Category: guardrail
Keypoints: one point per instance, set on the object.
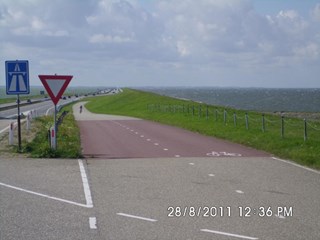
(12, 126)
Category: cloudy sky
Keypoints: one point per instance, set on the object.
(243, 43)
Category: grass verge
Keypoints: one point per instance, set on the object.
(193, 116)
(68, 141)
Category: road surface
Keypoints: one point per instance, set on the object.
(42, 108)
(215, 196)
(106, 136)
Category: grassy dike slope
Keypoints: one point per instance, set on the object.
(146, 105)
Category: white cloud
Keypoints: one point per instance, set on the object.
(311, 51)
(215, 35)
(100, 38)
(316, 12)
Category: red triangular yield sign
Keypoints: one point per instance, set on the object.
(55, 85)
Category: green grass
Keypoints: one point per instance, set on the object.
(171, 111)
(68, 141)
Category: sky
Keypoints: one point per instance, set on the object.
(224, 43)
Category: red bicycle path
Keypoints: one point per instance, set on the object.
(109, 137)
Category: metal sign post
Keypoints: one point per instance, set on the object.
(55, 128)
(19, 123)
(17, 82)
(55, 86)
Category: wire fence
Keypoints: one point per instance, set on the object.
(287, 127)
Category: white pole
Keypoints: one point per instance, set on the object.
(11, 128)
(53, 138)
(28, 122)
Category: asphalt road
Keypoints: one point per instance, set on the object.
(252, 196)
(42, 108)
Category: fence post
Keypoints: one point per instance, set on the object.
(207, 113)
(247, 121)
(282, 126)
(263, 124)
(235, 119)
(224, 116)
(216, 114)
(200, 111)
(305, 130)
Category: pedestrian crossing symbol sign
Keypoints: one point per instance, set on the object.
(17, 77)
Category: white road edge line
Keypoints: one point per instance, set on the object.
(47, 112)
(137, 217)
(85, 183)
(44, 195)
(297, 165)
(93, 222)
(5, 129)
(228, 234)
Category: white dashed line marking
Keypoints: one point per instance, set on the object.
(228, 234)
(93, 223)
(137, 217)
(165, 149)
(239, 191)
(148, 140)
(156, 144)
(192, 164)
(142, 136)
(211, 175)
(177, 156)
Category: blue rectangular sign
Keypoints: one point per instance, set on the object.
(17, 77)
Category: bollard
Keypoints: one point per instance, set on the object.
(11, 132)
(52, 138)
(28, 121)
